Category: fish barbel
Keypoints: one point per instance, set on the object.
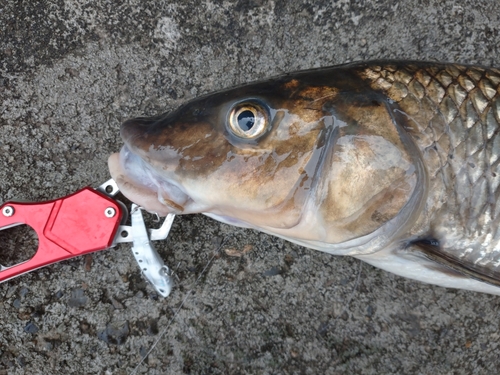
(394, 163)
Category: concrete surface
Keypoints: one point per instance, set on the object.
(72, 71)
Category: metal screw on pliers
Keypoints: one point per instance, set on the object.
(8, 211)
(110, 212)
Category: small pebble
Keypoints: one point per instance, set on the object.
(23, 292)
(78, 298)
(273, 271)
(31, 328)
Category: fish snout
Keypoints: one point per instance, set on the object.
(137, 129)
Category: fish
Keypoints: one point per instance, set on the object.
(395, 163)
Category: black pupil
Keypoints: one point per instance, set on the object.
(246, 120)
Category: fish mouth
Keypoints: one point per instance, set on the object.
(143, 185)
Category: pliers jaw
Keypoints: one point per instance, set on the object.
(87, 221)
(151, 264)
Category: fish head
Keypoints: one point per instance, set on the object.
(281, 155)
(237, 153)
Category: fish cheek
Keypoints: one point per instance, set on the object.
(263, 185)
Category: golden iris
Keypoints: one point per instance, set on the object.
(248, 120)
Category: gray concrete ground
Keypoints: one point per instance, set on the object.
(72, 71)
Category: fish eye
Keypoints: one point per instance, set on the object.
(248, 120)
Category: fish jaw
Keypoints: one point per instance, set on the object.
(142, 185)
(155, 194)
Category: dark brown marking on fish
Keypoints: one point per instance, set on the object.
(174, 205)
(380, 217)
(446, 270)
(291, 86)
(431, 249)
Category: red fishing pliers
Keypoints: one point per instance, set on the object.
(86, 221)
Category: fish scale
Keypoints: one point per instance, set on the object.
(463, 103)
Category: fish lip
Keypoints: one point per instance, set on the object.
(143, 185)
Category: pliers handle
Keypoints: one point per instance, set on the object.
(86, 221)
(80, 223)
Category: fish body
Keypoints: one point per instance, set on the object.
(394, 163)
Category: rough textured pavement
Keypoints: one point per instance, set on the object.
(72, 71)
